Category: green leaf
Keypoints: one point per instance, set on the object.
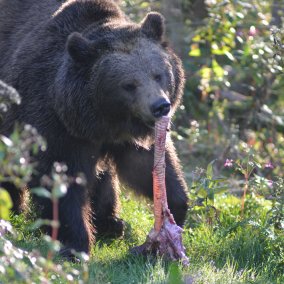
(215, 49)
(209, 171)
(196, 38)
(247, 50)
(240, 15)
(229, 41)
(230, 55)
(240, 40)
(211, 194)
(195, 50)
(206, 183)
(202, 193)
(59, 191)
(220, 179)
(39, 223)
(41, 192)
(5, 204)
(144, 5)
(217, 69)
(219, 190)
(8, 142)
(205, 72)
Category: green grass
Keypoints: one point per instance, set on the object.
(228, 251)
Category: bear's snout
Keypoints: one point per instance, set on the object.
(160, 108)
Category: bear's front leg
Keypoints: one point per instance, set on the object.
(135, 166)
(76, 231)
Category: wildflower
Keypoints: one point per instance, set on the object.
(194, 124)
(270, 183)
(252, 31)
(268, 166)
(228, 163)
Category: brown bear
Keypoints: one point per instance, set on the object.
(92, 83)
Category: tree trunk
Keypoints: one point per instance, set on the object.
(277, 11)
(172, 11)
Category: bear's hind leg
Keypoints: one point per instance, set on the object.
(105, 204)
(135, 166)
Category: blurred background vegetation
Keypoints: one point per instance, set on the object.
(232, 52)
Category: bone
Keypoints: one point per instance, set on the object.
(165, 239)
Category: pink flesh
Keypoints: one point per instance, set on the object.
(159, 185)
(165, 239)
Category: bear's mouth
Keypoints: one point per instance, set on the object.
(148, 120)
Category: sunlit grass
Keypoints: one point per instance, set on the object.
(229, 251)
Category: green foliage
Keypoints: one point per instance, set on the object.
(204, 189)
(276, 213)
(235, 84)
(278, 40)
(233, 252)
(22, 266)
(236, 39)
(5, 204)
(19, 265)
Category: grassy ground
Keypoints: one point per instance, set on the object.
(229, 250)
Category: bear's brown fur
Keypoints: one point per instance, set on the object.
(93, 84)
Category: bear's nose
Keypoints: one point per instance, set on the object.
(161, 108)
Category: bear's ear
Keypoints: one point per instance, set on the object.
(79, 48)
(153, 26)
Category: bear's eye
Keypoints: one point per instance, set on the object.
(130, 87)
(158, 77)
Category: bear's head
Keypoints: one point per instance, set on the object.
(119, 78)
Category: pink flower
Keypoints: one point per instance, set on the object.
(252, 31)
(268, 166)
(228, 163)
(270, 183)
